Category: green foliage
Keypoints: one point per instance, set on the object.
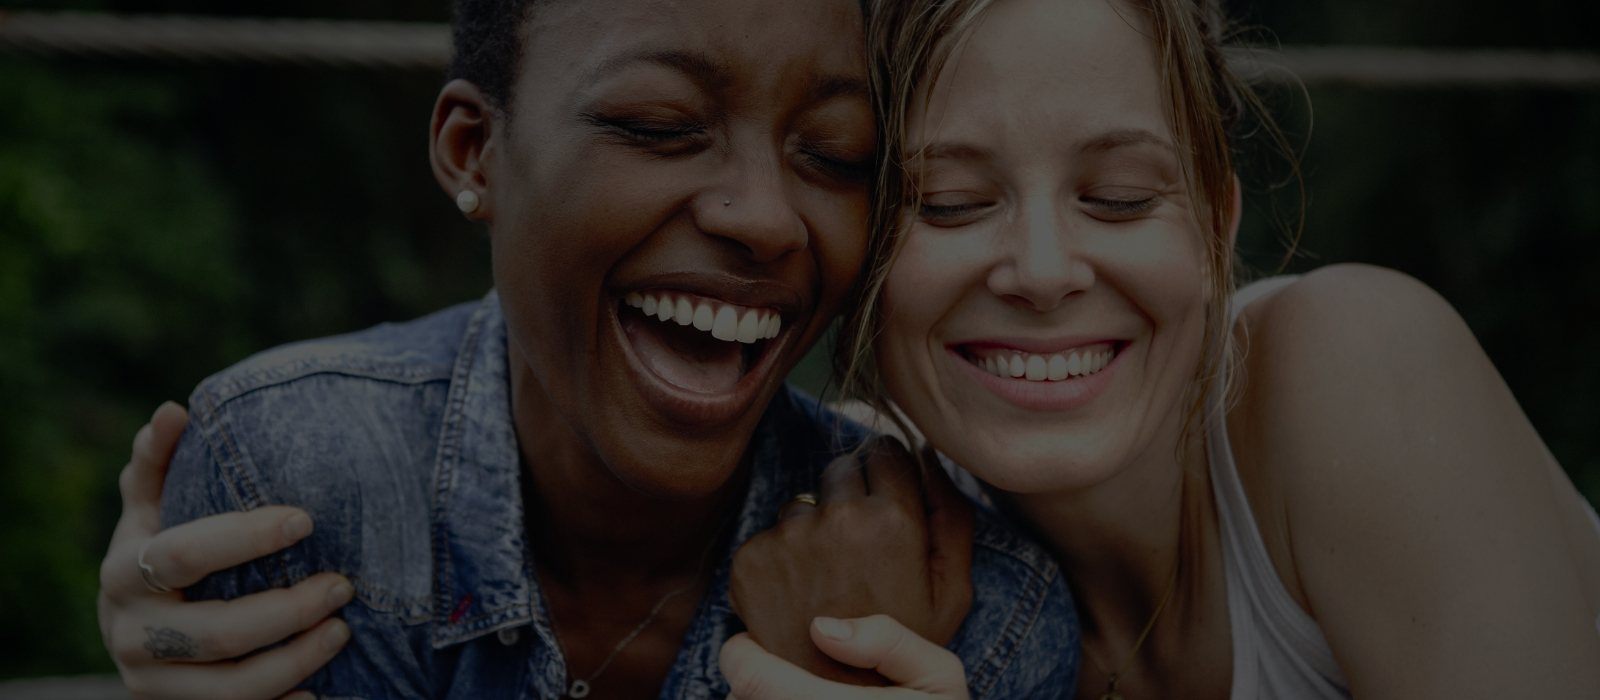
(107, 242)
(156, 227)
(160, 222)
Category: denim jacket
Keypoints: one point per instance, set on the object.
(398, 440)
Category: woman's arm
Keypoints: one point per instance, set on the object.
(165, 647)
(1426, 531)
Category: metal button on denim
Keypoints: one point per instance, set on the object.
(510, 635)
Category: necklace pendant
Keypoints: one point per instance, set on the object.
(1111, 689)
(580, 690)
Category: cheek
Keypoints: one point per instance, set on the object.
(1163, 268)
(931, 276)
(838, 237)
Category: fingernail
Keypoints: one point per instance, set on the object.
(340, 594)
(297, 527)
(337, 634)
(834, 628)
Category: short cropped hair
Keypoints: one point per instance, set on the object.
(486, 38)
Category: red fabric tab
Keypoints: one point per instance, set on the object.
(461, 609)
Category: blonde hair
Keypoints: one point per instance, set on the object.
(909, 43)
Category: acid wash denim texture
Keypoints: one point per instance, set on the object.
(398, 440)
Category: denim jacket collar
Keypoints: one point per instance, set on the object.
(483, 575)
(481, 578)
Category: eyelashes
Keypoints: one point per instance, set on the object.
(844, 170)
(649, 132)
(1120, 208)
(1108, 209)
(949, 214)
(668, 138)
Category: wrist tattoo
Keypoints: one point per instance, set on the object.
(166, 643)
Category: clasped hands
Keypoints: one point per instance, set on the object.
(861, 589)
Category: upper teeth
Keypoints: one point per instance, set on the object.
(1043, 368)
(722, 320)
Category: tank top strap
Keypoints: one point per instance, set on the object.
(1279, 651)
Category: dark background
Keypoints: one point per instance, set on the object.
(161, 220)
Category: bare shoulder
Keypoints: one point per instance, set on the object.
(1416, 498)
(1342, 316)
(1351, 359)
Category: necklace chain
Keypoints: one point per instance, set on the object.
(580, 688)
(1133, 654)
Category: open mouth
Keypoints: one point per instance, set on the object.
(698, 344)
(1062, 366)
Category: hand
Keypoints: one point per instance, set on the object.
(917, 667)
(165, 647)
(892, 536)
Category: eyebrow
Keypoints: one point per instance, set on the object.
(1122, 138)
(1101, 143)
(707, 72)
(951, 150)
(824, 87)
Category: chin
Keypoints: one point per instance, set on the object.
(670, 466)
(1047, 462)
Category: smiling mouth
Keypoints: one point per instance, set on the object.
(1061, 366)
(698, 344)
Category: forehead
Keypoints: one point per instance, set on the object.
(1050, 69)
(771, 42)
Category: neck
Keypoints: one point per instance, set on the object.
(1119, 540)
(589, 530)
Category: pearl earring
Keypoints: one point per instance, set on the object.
(467, 201)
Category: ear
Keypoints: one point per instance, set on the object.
(458, 140)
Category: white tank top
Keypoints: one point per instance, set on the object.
(1278, 650)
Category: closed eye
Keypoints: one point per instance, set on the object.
(649, 132)
(1119, 209)
(950, 214)
(840, 169)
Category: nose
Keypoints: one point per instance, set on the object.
(752, 208)
(1042, 262)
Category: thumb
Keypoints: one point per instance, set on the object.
(880, 642)
(753, 673)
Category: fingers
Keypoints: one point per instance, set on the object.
(266, 675)
(796, 508)
(950, 537)
(843, 479)
(753, 673)
(880, 642)
(214, 630)
(184, 554)
(141, 480)
(891, 472)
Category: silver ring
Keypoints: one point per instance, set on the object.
(148, 573)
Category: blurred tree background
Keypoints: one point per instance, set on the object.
(161, 220)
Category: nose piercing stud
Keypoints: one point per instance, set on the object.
(727, 202)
